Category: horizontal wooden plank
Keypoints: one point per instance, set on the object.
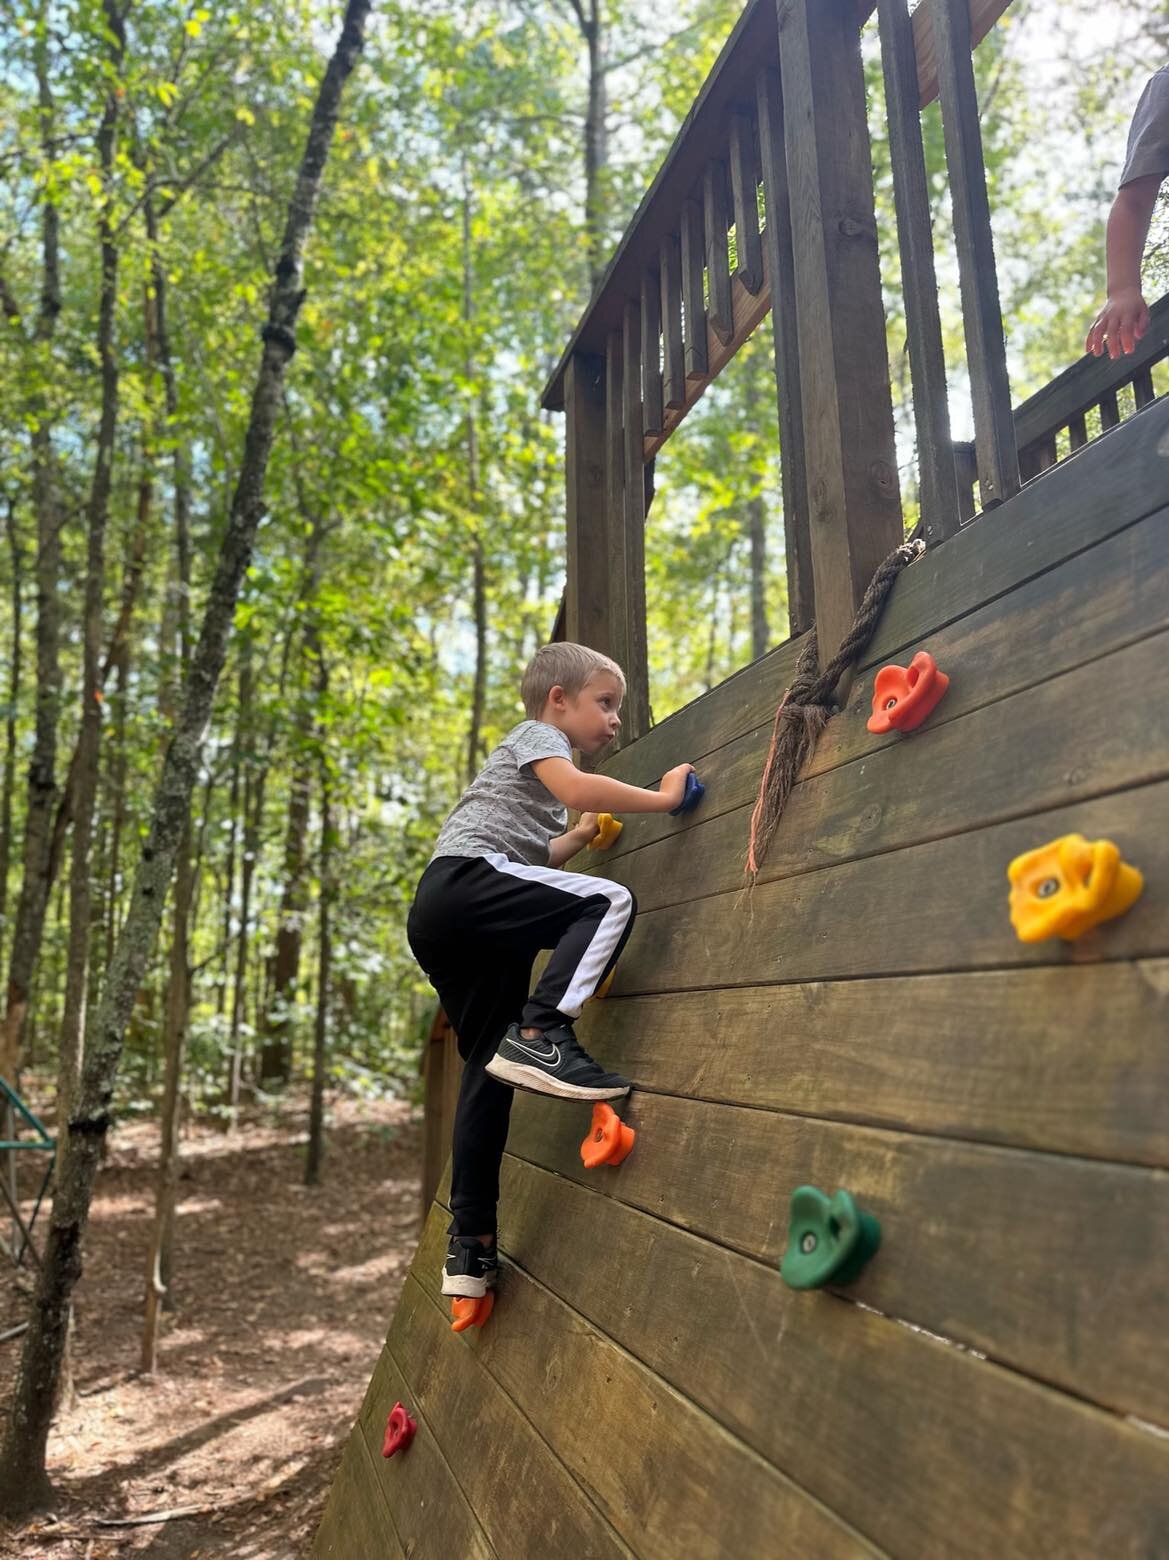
(923, 1447)
(525, 1501)
(669, 1478)
(1073, 508)
(1080, 735)
(429, 1511)
(929, 908)
(356, 1524)
(987, 1055)
(1085, 1244)
(1096, 602)
(1090, 496)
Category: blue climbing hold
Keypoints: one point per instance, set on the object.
(693, 794)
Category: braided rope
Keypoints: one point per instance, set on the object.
(807, 705)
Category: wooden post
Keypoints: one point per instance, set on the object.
(674, 368)
(748, 250)
(777, 243)
(635, 713)
(844, 371)
(931, 414)
(614, 560)
(990, 388)
(716, 220)
(587, 615)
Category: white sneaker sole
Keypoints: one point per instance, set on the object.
(537, 1082)
(463, 1286)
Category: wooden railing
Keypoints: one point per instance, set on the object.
(1081, 404)
(765, 202)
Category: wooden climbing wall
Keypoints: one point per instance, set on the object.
(996, 1382)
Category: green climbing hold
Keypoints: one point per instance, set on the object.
(829, 1239)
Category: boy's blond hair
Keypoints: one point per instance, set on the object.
(567, 665)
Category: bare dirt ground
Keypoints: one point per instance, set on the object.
(284, 1295)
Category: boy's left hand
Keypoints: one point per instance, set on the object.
(587, 827)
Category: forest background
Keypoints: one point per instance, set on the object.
(412, 554)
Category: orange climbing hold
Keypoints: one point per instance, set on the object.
(400, 1430)
(903, 696)
(1068, 886)
(608, 829)
(609, 1140)
(471, 1313)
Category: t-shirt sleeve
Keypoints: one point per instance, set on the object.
(1148, 136)
(534, 740)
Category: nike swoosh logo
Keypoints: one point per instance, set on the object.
(549, 1058)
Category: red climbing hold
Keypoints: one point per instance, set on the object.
(609, 1139)
(400, 1430)
(471, 1313)
(903, 696)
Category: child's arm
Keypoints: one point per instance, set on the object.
(1124, 319)
(565, 846)
(599, 793)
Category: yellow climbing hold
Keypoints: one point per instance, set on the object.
(608, 828)
(1068, 886)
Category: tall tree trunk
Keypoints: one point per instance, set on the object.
(253, 815)
(596, 136)
(229, 885)
(160, 1259)
(23, 1481)
(89, 740)
(316, 1130)
(478, 560)
(8, 789)
(284, 964)
(42, 785)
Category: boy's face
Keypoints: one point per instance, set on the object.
(590, 719)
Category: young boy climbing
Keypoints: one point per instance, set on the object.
(493, 896)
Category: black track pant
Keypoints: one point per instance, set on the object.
(475, 927)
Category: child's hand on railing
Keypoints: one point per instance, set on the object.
(1121, 323)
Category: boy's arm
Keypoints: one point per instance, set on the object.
(1124, 319)
(565, 846)
(599, 793)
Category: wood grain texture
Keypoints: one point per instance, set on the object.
(1052, 1265)
(694, 304)
(356, 1524)
(669, 1479)
(1064, 741)
(1010, 1056)
(926, 1449)
(930, 908)
(526, 1503)
(429, 1511)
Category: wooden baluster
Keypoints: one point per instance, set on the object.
(716, 220)
(966, 475)
(588, 506)
(635, 717)
(617, 595)
(748, 247)
(844, 370)
(931, 415)
(1077, 431)
(994, 428)
(777, 245)
(674, 373)
(1109, 411)
(651, 352)
(1142, 388)
(695, 306)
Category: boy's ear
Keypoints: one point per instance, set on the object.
(557, 695)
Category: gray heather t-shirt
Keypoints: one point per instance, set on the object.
(506, 808)
(1148, 135)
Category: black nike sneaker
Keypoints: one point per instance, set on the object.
(470, 1267)
(555, 1063)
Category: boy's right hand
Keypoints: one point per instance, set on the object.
(673, 786)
